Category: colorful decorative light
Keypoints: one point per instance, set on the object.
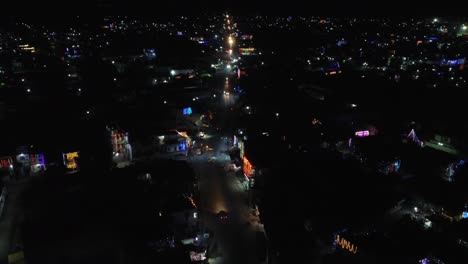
(364, 133)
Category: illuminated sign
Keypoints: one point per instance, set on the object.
(345, 244)
(364, 133)
(248, 168)
(70, 160)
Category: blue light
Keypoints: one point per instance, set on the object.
(465, 215)
(187, 111)
(452, 62)
(182, 146)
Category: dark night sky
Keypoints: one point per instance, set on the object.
(284, 7)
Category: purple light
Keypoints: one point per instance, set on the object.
(364, 133)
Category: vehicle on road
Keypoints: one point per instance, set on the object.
(197, 151)
(223, 216)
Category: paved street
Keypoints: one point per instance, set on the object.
(235, 240)
(9, 220)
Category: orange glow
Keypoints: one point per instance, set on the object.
(248, 168)
(70, 160)
(333, 73)
(345, 244)
(192, 202)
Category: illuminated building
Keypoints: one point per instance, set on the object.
(37, 162)
(26, 47)
(248, 169)
(6, 162)
(121, 148)
(247, 51)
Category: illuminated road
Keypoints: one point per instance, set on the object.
(234, 241)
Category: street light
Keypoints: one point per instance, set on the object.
(464, 27)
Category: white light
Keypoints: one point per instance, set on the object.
(113, 62)
(440, 144)
(22, 79)
(165, 102)
(28, 90)
(173, 72)
(353, 105)
(277, 114)
(11, 166)
(464, 27)
(79, 89)
(416, 209)
(115, 79)
(195, 215)
(436, 20)
(247, 107)
(88, 112)
(228, 66)
(193, 99)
